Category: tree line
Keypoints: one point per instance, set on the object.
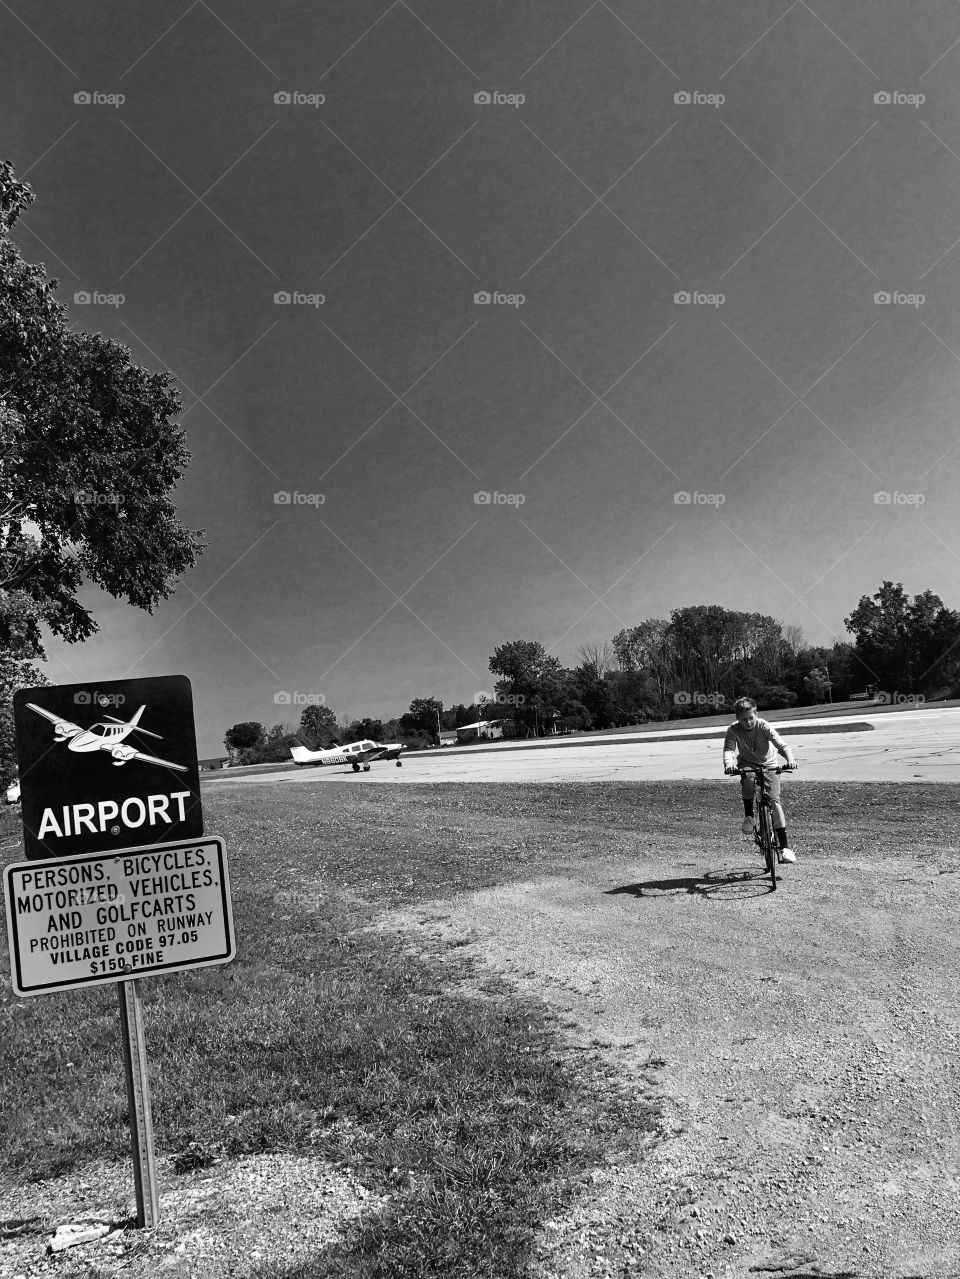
(696, 662)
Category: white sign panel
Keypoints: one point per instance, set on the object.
(106, 917)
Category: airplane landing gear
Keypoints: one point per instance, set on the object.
(356, 768)
(399, 764)
(366, 768)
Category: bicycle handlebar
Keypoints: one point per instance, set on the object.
(753, 768)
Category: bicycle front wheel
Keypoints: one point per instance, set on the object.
(767, 839)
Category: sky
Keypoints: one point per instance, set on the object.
(396, 475)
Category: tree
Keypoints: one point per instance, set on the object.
(793, 638)
(19, 647)
(391, 731)
(363, 729)
(276, 748)
(935, 643)
(423, 714)
(633, 698)
(640, 647)
(905, 644)
(703, 654)
(414, 737)
(89, 457)
(840, 668)
(318, 727)
(532, 680)
(575, 717)
(881, 628)
(243, 737)
(597, 658)
(817, 684)
(422, 721)
(594, 691)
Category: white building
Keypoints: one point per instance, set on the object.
(486, 729)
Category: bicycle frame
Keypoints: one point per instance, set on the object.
(763, 832)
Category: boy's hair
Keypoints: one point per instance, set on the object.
(744, 704)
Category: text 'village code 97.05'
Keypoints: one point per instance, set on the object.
(111, 916)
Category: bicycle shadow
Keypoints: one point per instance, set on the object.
(735, 883)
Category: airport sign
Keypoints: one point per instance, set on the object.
(91, 778)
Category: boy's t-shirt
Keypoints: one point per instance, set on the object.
(758, 745)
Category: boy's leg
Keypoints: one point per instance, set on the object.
(747, 788)
(773, 790)
(779, 820)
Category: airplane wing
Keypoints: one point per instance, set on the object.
(152, 759)
(136, 729)
(57, 720)
(123, 754)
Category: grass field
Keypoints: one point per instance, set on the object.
(468, 1110)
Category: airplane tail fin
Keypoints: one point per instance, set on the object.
(134, 723)
(302, 756)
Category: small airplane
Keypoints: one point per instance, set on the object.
(104, 737)
(357, 754)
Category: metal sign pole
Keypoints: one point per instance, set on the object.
(138, 1104)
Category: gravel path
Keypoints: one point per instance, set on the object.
(808, 1042)
(216, 1222)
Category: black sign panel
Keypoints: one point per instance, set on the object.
(106, 766)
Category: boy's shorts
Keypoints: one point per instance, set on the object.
(748, 786)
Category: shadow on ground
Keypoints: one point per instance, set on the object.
(752, 882)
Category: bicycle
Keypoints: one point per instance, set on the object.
(763, 833)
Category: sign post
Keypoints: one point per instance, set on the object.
(138, 1104)
(103, 917)
(120, 881)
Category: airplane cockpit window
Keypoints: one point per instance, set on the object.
(99, 729)
(368, 746)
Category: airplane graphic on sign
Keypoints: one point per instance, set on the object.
(104, 737)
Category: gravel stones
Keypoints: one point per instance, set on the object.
(217, 1222)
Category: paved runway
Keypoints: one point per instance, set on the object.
(910, 746)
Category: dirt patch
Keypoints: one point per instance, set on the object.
(808, 1042)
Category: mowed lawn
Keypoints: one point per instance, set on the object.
(325, 1038)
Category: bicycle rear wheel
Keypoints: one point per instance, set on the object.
(768, 843)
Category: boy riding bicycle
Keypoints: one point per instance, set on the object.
(752, 741)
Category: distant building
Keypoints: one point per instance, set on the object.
(483, 729)
(219, 761)
(448, 737)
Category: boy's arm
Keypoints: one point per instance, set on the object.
(781, 745)
(729, 750)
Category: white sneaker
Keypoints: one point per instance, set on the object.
(747, 826)
(786, 855)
